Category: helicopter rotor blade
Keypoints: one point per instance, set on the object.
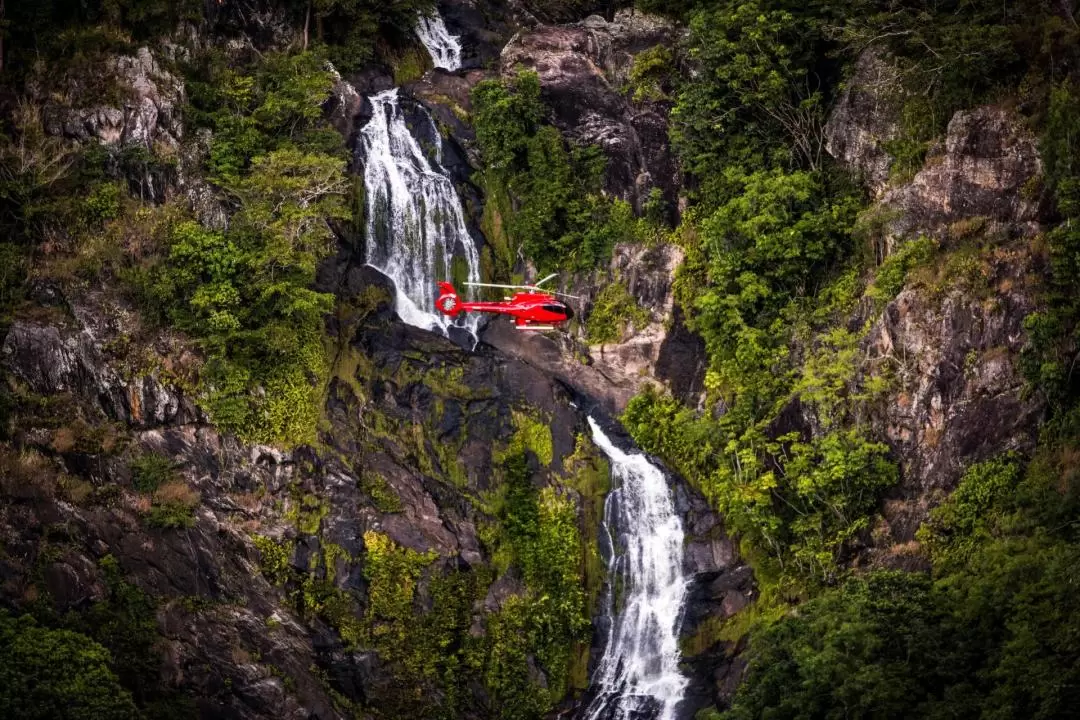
(560, 294)
(538, 283)
(494, 285)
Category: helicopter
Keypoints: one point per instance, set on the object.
(531, 307)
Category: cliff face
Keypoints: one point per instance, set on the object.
(953, 335)
(242, 576)
(414, 431)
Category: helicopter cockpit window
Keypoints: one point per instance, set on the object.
(560, 309)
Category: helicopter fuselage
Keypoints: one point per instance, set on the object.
(530, 310)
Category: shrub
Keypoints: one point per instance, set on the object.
(558, 217)
(614, 308)
(149, 471)
(173, 506)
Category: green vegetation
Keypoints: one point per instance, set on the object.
(893, 271)
(650, 73)
(245, 293)
(352, 30)
(149, 471)
(1050, 358)
(273, 559)
(992, 635)
(780, 266)
(173, 506)
(539, 528)
(531, 434)
(614, 308)
(553, 208)
(382, 495)
(102, 661)
(46, 674)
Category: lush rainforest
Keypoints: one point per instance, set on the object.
(785, 272)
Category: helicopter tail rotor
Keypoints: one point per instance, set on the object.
(448, 303)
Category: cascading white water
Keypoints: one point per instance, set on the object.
(638, 676)
(415, 222)
(444, 48)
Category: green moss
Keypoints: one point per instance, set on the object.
(382, 495)
(530, 434)
(650, 70)
(331, 554)
(306, 511)
(587, 471)
(409, 65)
(449, 382)
(891, 275)
(170, 515)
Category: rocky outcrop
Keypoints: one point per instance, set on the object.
(961, 398)
(952, 337)
(987, 167)
(483, 27)
(865, 118)
(147, 111)
(582, 68)
(614, 372)
(406, 407)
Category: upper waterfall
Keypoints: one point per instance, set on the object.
(444, 48)
(638, 677)
(415, 221)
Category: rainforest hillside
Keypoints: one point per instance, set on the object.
(825, 274)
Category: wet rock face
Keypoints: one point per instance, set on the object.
(235, 637)
(866, 117)
(581, 68)
(484, 27)
(721, 584)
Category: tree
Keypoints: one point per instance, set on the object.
(57, 675)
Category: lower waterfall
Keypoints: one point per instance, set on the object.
(638, 676)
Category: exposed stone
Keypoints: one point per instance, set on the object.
(149, 115)
(581, 68)
(865, 117)
(613, 373)
(961, 397)
(483, 27)
(988, 168)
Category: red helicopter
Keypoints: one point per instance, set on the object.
(531, 307)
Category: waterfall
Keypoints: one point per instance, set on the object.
(415, 222)
(638, 676)
(444, 48)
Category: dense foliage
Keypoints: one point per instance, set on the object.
(353, 30)
(47, 674)
(99, 662)
(996, 633)
(547, 193)
(778, 261)
(246, 292)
